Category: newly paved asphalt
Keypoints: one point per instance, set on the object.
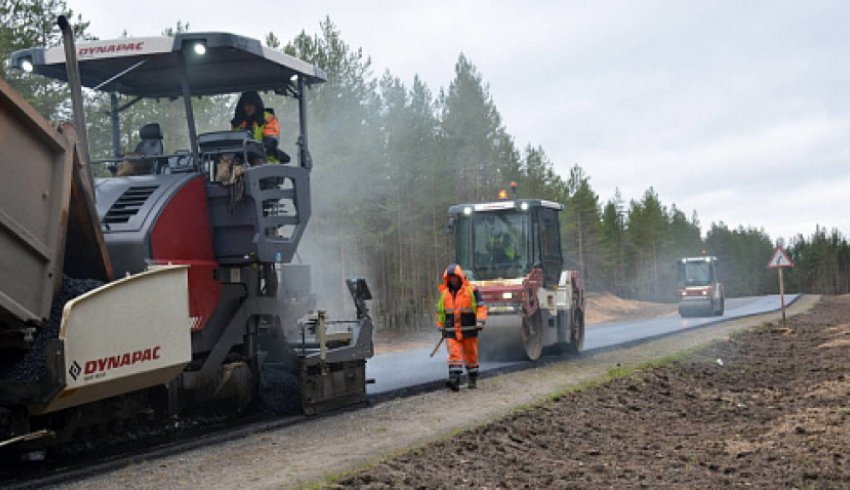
(410, 369)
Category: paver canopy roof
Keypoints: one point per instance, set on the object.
(216, 63)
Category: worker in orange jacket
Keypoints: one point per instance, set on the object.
(460, 316)
(264, 126)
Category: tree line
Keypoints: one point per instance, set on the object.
(390, 158)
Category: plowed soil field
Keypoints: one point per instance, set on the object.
(768, 408)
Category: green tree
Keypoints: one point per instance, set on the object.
(647, 220)
(537, 177)
(743, 255)
(612, 242)
(349, 185)
(582, 227)
(480, 150)
(821, 263)
(412, 164)
(32, 23)
(272, 41)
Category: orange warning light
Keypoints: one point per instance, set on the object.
(503, 194)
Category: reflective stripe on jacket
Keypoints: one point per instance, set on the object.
(459, 310)
(258, 132)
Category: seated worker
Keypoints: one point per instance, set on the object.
(252, 115)
(504, 251)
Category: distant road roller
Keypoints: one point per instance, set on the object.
(700, 291)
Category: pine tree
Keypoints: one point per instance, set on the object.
(612, 273)
(349, 184)
(647, 220)
(582, 230)
(32, 23)
(477, 145)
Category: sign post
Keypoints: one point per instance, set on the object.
(780, 260)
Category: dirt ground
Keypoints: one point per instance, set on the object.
(600, 307)
(605, 307)
(768, 408)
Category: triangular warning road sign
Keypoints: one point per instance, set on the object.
(780, 258)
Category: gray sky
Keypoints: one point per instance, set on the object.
(738, 110)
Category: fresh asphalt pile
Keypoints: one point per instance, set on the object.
(767, 409)
(280, 389)
(31, 366)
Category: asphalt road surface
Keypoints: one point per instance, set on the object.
(410, 369)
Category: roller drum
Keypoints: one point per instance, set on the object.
(510, 338)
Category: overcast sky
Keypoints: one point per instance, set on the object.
(738, 110)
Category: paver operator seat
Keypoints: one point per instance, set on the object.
(151, 141)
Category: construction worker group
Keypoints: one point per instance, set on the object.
(461, 315)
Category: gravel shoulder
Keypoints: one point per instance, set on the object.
(322, 449)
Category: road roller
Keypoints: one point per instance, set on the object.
(700, 291)
(511, 251)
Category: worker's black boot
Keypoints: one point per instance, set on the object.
(454, 380)
(473, 379)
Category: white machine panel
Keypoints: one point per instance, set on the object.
(126, 335)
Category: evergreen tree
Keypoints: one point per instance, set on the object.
(612, 242)
(477, 145)
(582, 230)
(32, 23)
(821, 263)
(349, 184)
(743, 255)
(647, 220)
(538, 178)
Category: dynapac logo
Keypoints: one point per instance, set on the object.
(111, 48)
(96, 368)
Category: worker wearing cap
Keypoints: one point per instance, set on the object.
(252, 115)
(460, 316)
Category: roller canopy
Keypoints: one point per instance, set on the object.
(149, 67)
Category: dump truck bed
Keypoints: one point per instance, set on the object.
(36, 162)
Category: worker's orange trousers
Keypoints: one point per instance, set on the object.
(463, 352)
